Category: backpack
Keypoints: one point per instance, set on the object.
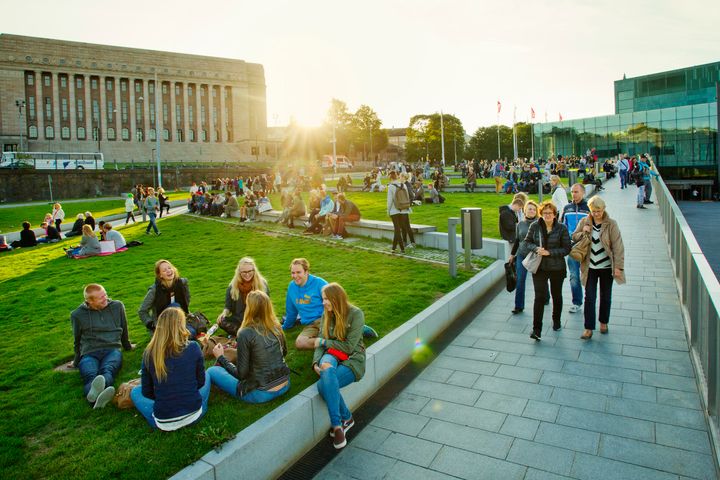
(637, 174)
(402, 199)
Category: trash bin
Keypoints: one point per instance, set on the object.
(475, 227)
(572, 177)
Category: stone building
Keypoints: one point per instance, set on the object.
(58, 96)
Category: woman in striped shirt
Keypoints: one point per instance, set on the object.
(604, 262)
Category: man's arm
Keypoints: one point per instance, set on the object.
(290, 311)
(124, 338)
(77, 334)
(147, 305)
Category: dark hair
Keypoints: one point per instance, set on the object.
(26, 225)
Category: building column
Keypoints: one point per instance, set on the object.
(118, 110)
(146, 109)
(173, 118)
(222, 119)
(56, 105)
(211, 106)
(88, 109)
(102, 114)
(186, 112)
(131, 109)
(72, 110)
(198, 111)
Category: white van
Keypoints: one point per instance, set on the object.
(343, 163)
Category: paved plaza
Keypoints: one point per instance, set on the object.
(497, 405)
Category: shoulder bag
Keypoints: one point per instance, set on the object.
(532, 260)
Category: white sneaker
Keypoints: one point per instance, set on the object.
(104, 398)
(97, 386)
(575, 308)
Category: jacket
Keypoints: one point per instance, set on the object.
(129, 205)
(521, 230)
(95, 330)
(326, 205)
(612, 242)
(260, 361)
(89, 245)
(573, 212)
(149, 303)
(349, 208)
(391, 207)
(557, 242)
(508, 220)
(352, 345)
(237, 307)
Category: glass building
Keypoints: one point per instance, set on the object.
(671, 115)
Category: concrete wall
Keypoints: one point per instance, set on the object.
(273, 443)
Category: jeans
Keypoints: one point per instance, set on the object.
(397, 228)
(407, 233)
(641, 195)
(105, 362)
(228, 384)
(623, 178)
(152, 223)
(331, 381)
(575, 283)
(605, 278)
(540, 282)
(128, 217)
(146, 405)
(521, 280)
(648, 189)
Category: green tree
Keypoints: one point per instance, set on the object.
(424, 138)
(367, 135)
(339, 116)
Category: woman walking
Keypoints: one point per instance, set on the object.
(550, 239)
(604, 262)
(175, 388)
(559, 195)
(151, 206)
(518, 255)
(339, 357)
(398, 212)
(129, 207)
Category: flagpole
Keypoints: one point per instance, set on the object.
(514, 131)
(442, 138)
(532, 141)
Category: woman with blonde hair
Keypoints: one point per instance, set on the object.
(260, 374)
(58, 215)
(339, 357)
(559, 195)
(89, 244)
(517, 254)
(168, 290)
(175, 387)
(246, 279)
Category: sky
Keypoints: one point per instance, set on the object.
(402, 58)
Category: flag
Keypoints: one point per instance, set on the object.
(532, 113)
(560, 115)
(499, 107)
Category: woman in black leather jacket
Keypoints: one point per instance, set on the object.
(261, 374)
(551, 240)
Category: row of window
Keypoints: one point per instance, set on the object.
(124, 134)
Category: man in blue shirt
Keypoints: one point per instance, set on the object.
(571, 216)
(623, 168)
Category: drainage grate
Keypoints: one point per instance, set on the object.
(323, 452)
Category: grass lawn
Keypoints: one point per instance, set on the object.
(11, 218)
(372, 206)
(48, 429)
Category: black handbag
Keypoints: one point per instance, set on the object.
(510, 276)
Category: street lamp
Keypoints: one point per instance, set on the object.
(157, 132)
(20, 104)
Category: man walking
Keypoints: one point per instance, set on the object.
(623, 168)
(571, 216)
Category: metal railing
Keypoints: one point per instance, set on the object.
(700, 298)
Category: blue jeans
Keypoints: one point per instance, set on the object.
(521, 277)
(331, 381)
(575, 282)
(648, 189)
(641, 195)
(604, 277)
(623, 174)
(100, 362)
(146, 405)
(152, 223)
(227, 383)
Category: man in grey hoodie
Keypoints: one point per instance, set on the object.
(100, 329)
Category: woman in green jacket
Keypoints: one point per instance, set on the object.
(339, 357)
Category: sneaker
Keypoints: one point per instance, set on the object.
(104, 397)
(575, 308)
(535, 336)
(517, 310)
(648, 202)
(411, 246)
(97, 386)
(339, 438)
(641, 206)
(369, 332)
(346, 425)
(159, 233)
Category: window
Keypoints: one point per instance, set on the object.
(166, 134)
(49, 132)
(96, 110)
(178, 113)
(80, 110)
(123, 86)
(109, 110)
(216, 135)
(190, 113)
(30, 79)
(78, 83)
(151, 135)
(48, 108)
(202, 115)
(125, 134)
(191, 135)
(93, 83)
(164, 88)
(63, 82)
(46, 80)
(179, 135)
(202, 92)
(139, 134)
(31, 107)
(138, 112)
(65, 133)
(254, 151)
(124, 111)
(111, 133)
(81, 133)
(214, 116)
(138, 87)
(165, 113)
(203, 135)
(152, 113)
(151, 88)
(177, 90)
(32, 131)
(108, 85)
(64, 108)
(190, 90)
(214, 92)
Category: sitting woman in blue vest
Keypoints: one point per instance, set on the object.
(261, 374)
(175, 387)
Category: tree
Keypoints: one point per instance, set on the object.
(483, 145)
(424, 138)
(366, 132)
(339, 116)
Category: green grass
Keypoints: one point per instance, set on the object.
(48, 429)
(372, 206)
(11, 218)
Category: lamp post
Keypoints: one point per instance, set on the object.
(157, 133)
(20, 104)
(96, 131)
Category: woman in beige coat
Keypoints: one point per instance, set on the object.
(605, 261)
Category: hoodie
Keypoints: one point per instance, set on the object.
(305, 301)
(99, 329)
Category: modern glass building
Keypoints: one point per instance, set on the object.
(671, 115)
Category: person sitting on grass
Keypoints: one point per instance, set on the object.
(4, 247)
(27, 237)
(76, 229)
(246, 279)
(51, 234)
(99, 327)
(89, 244)
(433, 194)
(168, 290)
(114, 236)
(175, 387)
(261, 373)
(347, 212)
(90, 220)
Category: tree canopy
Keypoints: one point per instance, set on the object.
(483, 145)
(424, 138)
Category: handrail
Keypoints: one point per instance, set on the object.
(700, 298)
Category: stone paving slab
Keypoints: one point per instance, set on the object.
(495, 404)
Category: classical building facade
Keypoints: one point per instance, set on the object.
(58, 96)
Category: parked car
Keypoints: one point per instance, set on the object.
(343, 163)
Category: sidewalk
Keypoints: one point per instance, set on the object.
(497, 405)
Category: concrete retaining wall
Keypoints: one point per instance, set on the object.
(273, 443)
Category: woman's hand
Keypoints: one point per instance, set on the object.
(587, 229)
(317, 342)
(511, 258)
(617, 273)
(218, 350)
(220, 318)
(316, 368)
(543, 252)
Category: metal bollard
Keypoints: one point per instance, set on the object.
(466, 237)
(452, 245)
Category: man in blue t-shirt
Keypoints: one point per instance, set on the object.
(571, 216)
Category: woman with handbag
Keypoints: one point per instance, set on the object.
(339, 357)
(517, 255)
(246, 279)
(260, 373)
(604, 261)
(174, 388)
(548, 243)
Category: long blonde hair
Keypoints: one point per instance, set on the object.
(258, 281)
(260, 314)
(169, 340)
(338, 298)
(176, 274)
